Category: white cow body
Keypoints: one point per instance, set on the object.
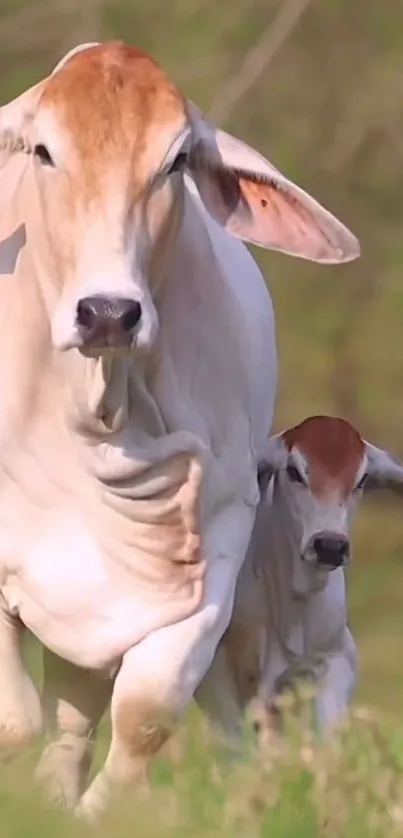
(79, 599)
(138, 375)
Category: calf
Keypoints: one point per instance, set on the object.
(290, 613)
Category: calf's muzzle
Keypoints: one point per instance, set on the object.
(328, 550)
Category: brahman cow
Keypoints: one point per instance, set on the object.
(138, 378)
(290, 612)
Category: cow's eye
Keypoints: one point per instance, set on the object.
(294, 475)
(361, 483)
(41, 152)
(179, 163)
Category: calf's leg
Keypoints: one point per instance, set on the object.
(233, 679)
(74, 701)
(337, 686)
(218, 700)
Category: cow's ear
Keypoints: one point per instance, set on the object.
(16, 116)
(12, 230)
(255, 202)
(15, 122)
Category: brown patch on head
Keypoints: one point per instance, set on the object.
(118, 106)
(333, 450)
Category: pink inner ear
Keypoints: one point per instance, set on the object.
(280, 221)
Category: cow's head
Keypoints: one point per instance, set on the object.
(110, 138)
(321, 468)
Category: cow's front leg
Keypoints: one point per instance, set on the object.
(20, 708)
(159, 676)
(74, 701)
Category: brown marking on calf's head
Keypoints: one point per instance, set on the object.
(333, 450)
(117, 103)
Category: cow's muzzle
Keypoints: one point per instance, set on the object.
(107, 322)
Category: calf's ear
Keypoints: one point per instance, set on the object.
(384, 470)
(272, 456)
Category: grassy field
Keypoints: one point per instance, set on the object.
(325, 107)
(353, 787)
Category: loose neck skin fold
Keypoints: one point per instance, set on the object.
(102, 406)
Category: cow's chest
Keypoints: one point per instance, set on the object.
(65, 591)
(86, 603)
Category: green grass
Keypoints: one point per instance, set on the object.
(350, 787)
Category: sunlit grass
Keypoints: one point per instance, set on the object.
(352, 786)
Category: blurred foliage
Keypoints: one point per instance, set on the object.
(351, 788)
(326, 108)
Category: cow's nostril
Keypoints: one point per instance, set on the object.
(86, 314)
(108, 321)
(131, 317)
(102, 312)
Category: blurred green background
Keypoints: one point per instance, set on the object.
(317, 87)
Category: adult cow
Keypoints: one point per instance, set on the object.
(138, 377)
